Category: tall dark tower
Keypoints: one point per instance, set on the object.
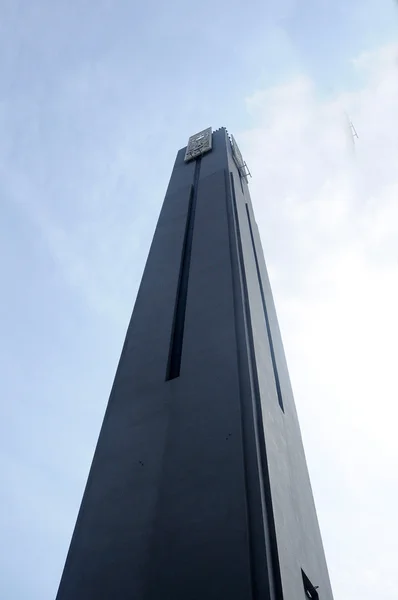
(199, 488)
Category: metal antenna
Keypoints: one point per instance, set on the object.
(353, 130)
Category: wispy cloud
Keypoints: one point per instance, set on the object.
(329, 224)
(93, 105)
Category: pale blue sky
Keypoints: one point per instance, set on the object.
(95, 100)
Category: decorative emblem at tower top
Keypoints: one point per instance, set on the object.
(198, 144)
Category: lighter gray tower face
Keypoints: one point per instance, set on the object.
(199, 488)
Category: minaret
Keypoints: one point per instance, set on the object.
(199, 488)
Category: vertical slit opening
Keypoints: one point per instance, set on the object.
(241, 183)
(272, 585)
(267, 323)
(177, 334)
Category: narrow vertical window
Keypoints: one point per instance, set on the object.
(177, 334)
(260, 460)
(267, 323)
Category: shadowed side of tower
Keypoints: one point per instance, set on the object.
(199, 486)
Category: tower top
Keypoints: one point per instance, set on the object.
(202, 142)
(199, 144)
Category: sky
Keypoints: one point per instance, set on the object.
(95, 100)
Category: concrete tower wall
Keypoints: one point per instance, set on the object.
(199, 486)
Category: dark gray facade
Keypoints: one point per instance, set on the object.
(199, 488)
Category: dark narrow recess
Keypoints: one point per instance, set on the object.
(271, 344)
(177, 334)
(274, 591)
(241, 183)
